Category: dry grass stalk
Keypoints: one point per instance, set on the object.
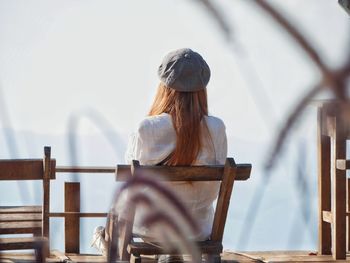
(335, 80)
(174, 229)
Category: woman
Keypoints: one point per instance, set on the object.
(178, 131)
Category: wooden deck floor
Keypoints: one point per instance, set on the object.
(228, 256)
(280, 256)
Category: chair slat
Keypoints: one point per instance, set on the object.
(183, 173)
(21, 243)
(142, 248)
(24, 169)
(20, 227)
(85, 169)
(20, 209)
(20, 217)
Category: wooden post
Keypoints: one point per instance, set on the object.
(125, 226)
(46, 198)
(113, 242)
(348, 215)
(40, 247)
(224, 200)
(122, 229)
(339, 190)
(72, 222)
(324, 185)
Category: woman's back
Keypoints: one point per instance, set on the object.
(155, 140)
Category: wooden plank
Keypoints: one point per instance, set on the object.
(210, 247)
(279, 256)
(72, 222)
(20, 217)
(327, 217)
(282, 253)
(235, 257)
(125, 226)
(288, 256)
(19, 227)
(46, 196)
(330, 126)
(79, 214)
(324, 185)
(85, 169)
(227, 256)
(347, 214)
(86, 258)
(21, 243)
(24, 169)
(339, 190)
(23, 257)
(343, 164)
(183, 173)
(111, 236)
(223, 200)
(25, 243)
(20, 209)
(60, 255)
(322, 103)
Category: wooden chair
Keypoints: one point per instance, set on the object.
(27, 219)
(333, 184)
(227, 174)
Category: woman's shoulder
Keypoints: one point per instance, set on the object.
(161, 121)
(215, 122)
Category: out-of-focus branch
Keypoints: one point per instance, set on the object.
(291, 120)
(247, 69)
(332, 79)
(299, 38)
(179, 225)
(101, 123)
(218, 17)
(11, 142)
(344, 72)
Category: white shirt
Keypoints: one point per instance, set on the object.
(155, 139)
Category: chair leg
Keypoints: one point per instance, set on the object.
(135, 259)
(125, 237)
(40, 254)
(111, 234)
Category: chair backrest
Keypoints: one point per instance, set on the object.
(227, 174)
(33, 169)
(186, 173)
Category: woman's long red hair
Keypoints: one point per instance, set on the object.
(187, 109)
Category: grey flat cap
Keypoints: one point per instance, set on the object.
(184, 70)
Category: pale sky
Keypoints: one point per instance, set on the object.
(60, 57)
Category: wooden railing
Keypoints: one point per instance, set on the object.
(72, 213)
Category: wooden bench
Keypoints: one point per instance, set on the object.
(27, 219)
(226, 174)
